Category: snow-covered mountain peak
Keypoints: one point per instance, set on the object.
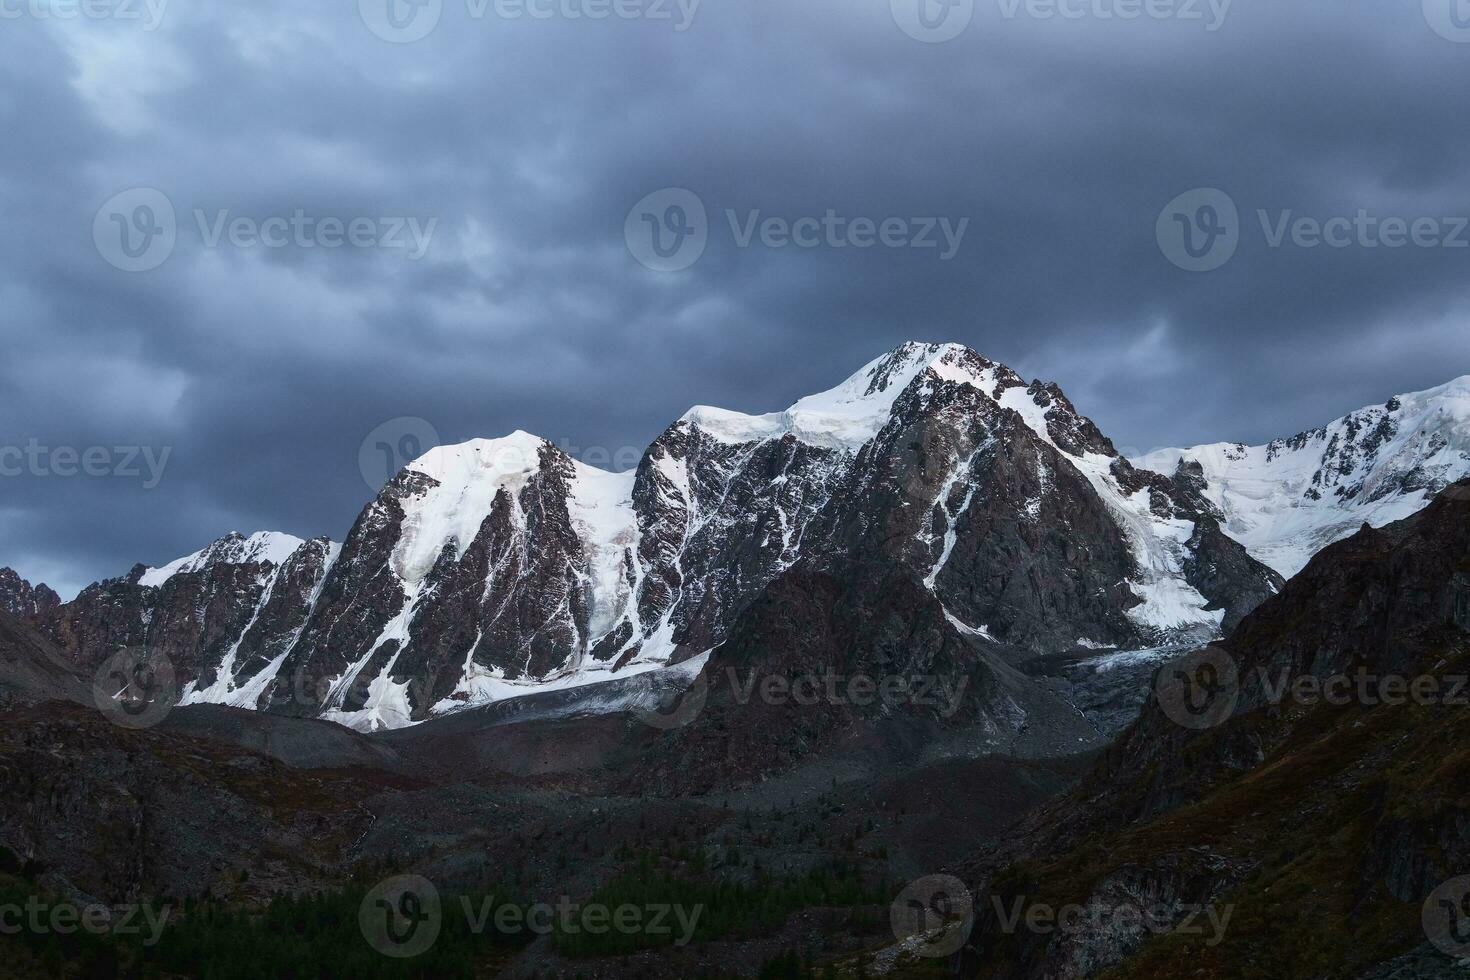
(483, 459)
(464, 481)
(262, 547)
(848, 416)
(1290, 498)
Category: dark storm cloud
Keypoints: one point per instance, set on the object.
(528, 141)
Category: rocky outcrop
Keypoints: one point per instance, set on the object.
(22, 600)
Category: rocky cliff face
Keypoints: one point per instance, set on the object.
(500, 567)
(22, 600)
(224, 616)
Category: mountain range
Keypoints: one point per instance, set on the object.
(500, 568)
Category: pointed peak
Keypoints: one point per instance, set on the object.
(915, 355)
(950, 361)
(848, 416)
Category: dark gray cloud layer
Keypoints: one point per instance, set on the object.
(528, 140)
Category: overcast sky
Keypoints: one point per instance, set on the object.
(520, 145)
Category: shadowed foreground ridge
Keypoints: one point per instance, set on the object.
(1322, 827)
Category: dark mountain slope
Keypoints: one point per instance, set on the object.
(1320, 827)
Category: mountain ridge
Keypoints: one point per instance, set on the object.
(1289, 498)
(21, 599)
(500, 567)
